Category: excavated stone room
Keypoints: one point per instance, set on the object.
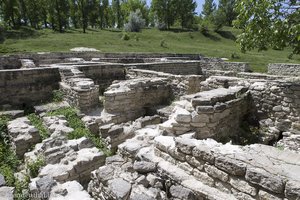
(149, 126)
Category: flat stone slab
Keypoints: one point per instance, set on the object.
(211, 97)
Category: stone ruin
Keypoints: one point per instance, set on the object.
(179, 126)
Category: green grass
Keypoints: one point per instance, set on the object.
(79, 128)
(149, 40)
(38, 123)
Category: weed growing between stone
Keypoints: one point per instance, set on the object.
(80, 130)
(9, 163)
(38, 123)
(58, 96)
(34, 166)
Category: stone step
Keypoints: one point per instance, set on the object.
(166, 168)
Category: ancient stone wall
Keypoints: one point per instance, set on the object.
(181, 84)
(178, 68)
(79, 91)
(128, 100)
(216, 113)
(103, 74)
(279, 101)
(225, 66)
(284, 69)
(250, 172)
(19, 87)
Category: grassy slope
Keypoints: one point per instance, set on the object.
(148, 41)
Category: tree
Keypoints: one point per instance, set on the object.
(10, 12)
(226, 9)
(269, 24)
(116, 6)
(129, 6)
(208, 8)
(165, 10)
(59, 14)
(185, 11)
(135, 22)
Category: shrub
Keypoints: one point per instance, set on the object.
(135, 22)
(161, 26)
(125, 36)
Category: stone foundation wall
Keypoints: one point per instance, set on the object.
(12, 61)
(250, 172)
(279, 101)
(181, 85)
(128, 100)
(284, 69)
(79, 91)
(217, 113)
(178, 68)
(225, 66)
(28, 86)
(103, 74)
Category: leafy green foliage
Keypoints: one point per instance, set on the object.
(79, 128)
(58, 96)
(8, 159)
(38, 123)
(34, 166)
(268, 24)
(209, 8)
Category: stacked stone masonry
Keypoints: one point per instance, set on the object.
(129, 100)
(163, 117)
(284, 69)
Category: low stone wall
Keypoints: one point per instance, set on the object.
(12, 61)
(279, 101)
(250, 172)
(225, 66)
(177, 68)
(181, 84)
(27, 86)
(103, 74)
(284, 69)
(128, 100)
(79, 91)
(216, 113)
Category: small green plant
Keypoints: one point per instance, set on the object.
(163, 44)
(58, 96)
(234, 55)
(37, 122)
(280, 147)
(35, 166)
(79, 128)
(22, 189)
(125, 36)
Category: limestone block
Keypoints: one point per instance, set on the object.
(266, 180)
(292, 190)
(144, 167)
(119, 188)
(231, 166)
(182, 193)
(216, 173)
(263, 195)
(203, 177)
(243, 186)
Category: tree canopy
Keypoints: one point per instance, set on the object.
(269, 24)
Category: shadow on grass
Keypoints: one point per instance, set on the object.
(210, 36)
(22, 33)
(226, 34)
